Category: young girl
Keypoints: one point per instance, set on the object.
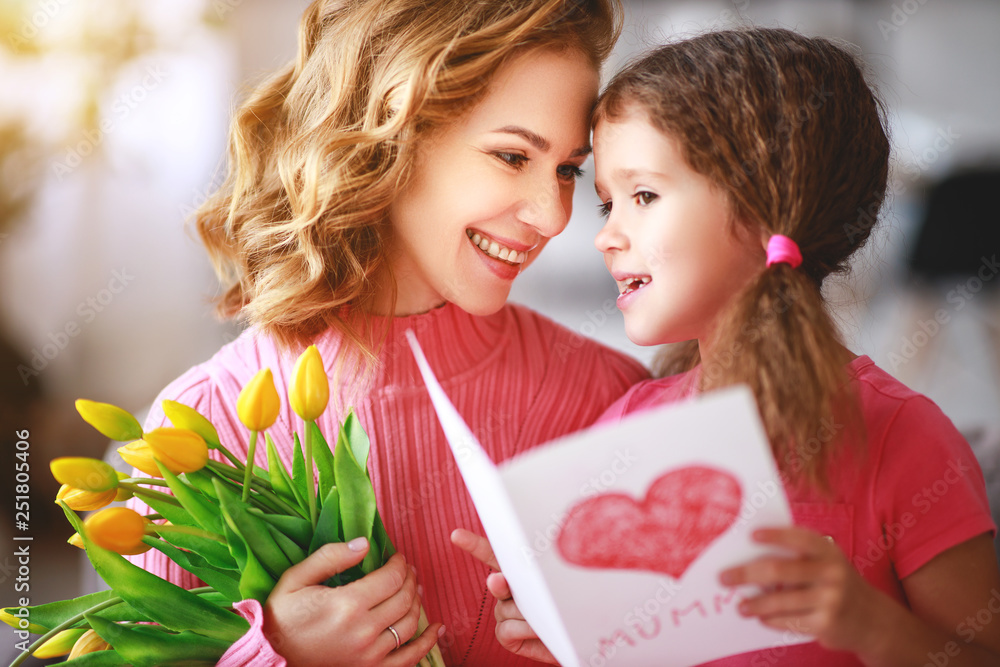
(736, 171)
(400, 174)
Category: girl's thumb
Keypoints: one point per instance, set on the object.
(328, 560)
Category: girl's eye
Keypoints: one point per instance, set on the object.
(645, 198)
(604, 209)
(570, 172)
(513, 159)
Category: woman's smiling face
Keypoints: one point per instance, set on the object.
(490, 190)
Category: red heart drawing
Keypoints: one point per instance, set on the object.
(684, 511)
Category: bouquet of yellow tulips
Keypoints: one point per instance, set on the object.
(233, 525)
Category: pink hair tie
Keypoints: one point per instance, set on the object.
(783, 249)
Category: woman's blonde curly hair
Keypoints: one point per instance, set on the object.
(298, 230)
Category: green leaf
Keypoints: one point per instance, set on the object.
(295, 527)
(299, 473)
(324, 460)
(328, 524)
(253, 531)
(255, 582)
(216, 553)
(162, 601)
(380, 539)
(109, 658)
(357, 499)
(224, 581)
(51, 614)
(175, 514)
(204, 511)
(357, 438)
(150, 646)
(288, 547)
(201, 480)
(281, 481)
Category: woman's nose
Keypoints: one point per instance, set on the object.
(547, 208)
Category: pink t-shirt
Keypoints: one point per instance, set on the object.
(915, 492)
(517, 378)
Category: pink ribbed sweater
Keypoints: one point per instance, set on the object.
(516, 377)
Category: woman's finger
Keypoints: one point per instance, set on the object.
(513, 631)
(380, 585)
(507, 609)
(479, 547)
(410, 654)
(398, 605)
(498, 586)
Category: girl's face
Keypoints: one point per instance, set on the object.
(669, 240)
(491, 189)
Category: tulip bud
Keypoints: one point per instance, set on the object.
(140, 455)
(179, 449)
(123, 493)
(110, 420)
(89, 642)
(17, 621)
(117, 529)
(309, 390)
(76, 541)
(83, 473)
(183, 416)
(258, 403)
(60, 644)
(85, 501)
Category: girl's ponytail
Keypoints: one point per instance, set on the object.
(787, 129)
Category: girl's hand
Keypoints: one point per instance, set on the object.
(816, 591)
(513, 632)
(309, 623)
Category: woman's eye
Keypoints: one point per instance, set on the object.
(645, 198)
(604, 209)
(570, 172)
(513, 159)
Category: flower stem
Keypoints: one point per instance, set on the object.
(65, 625)
(149, 493)
(158, 528)
(248, 472)
(310, 476)
(265, 499)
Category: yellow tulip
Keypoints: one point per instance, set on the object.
(183, 416)
(89, 642)
(60, 644)
(117, 529)
(123, 493)
(258, 404)
(139, 455)
(76, 541)
(309, 390)
(179, 449)
(110, 420)
(83, 473)
(19, 623)
(85, 501)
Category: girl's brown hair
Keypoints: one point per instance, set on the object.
(317, 153)
(786, 127)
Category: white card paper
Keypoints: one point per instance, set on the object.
(612, 539)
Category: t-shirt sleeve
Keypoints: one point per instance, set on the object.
(932, 486)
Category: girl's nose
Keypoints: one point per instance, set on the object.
(611, 236)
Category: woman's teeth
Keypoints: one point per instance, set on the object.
(495, 250)
(634, 284)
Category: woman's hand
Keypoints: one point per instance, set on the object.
(309, 623)
(815, 590)
(513, 632)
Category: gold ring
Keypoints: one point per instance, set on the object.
(395, 635)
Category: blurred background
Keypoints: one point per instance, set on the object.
(113, 119)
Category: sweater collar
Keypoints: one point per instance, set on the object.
(455, 343)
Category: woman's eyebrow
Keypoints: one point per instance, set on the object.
(538, 141)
